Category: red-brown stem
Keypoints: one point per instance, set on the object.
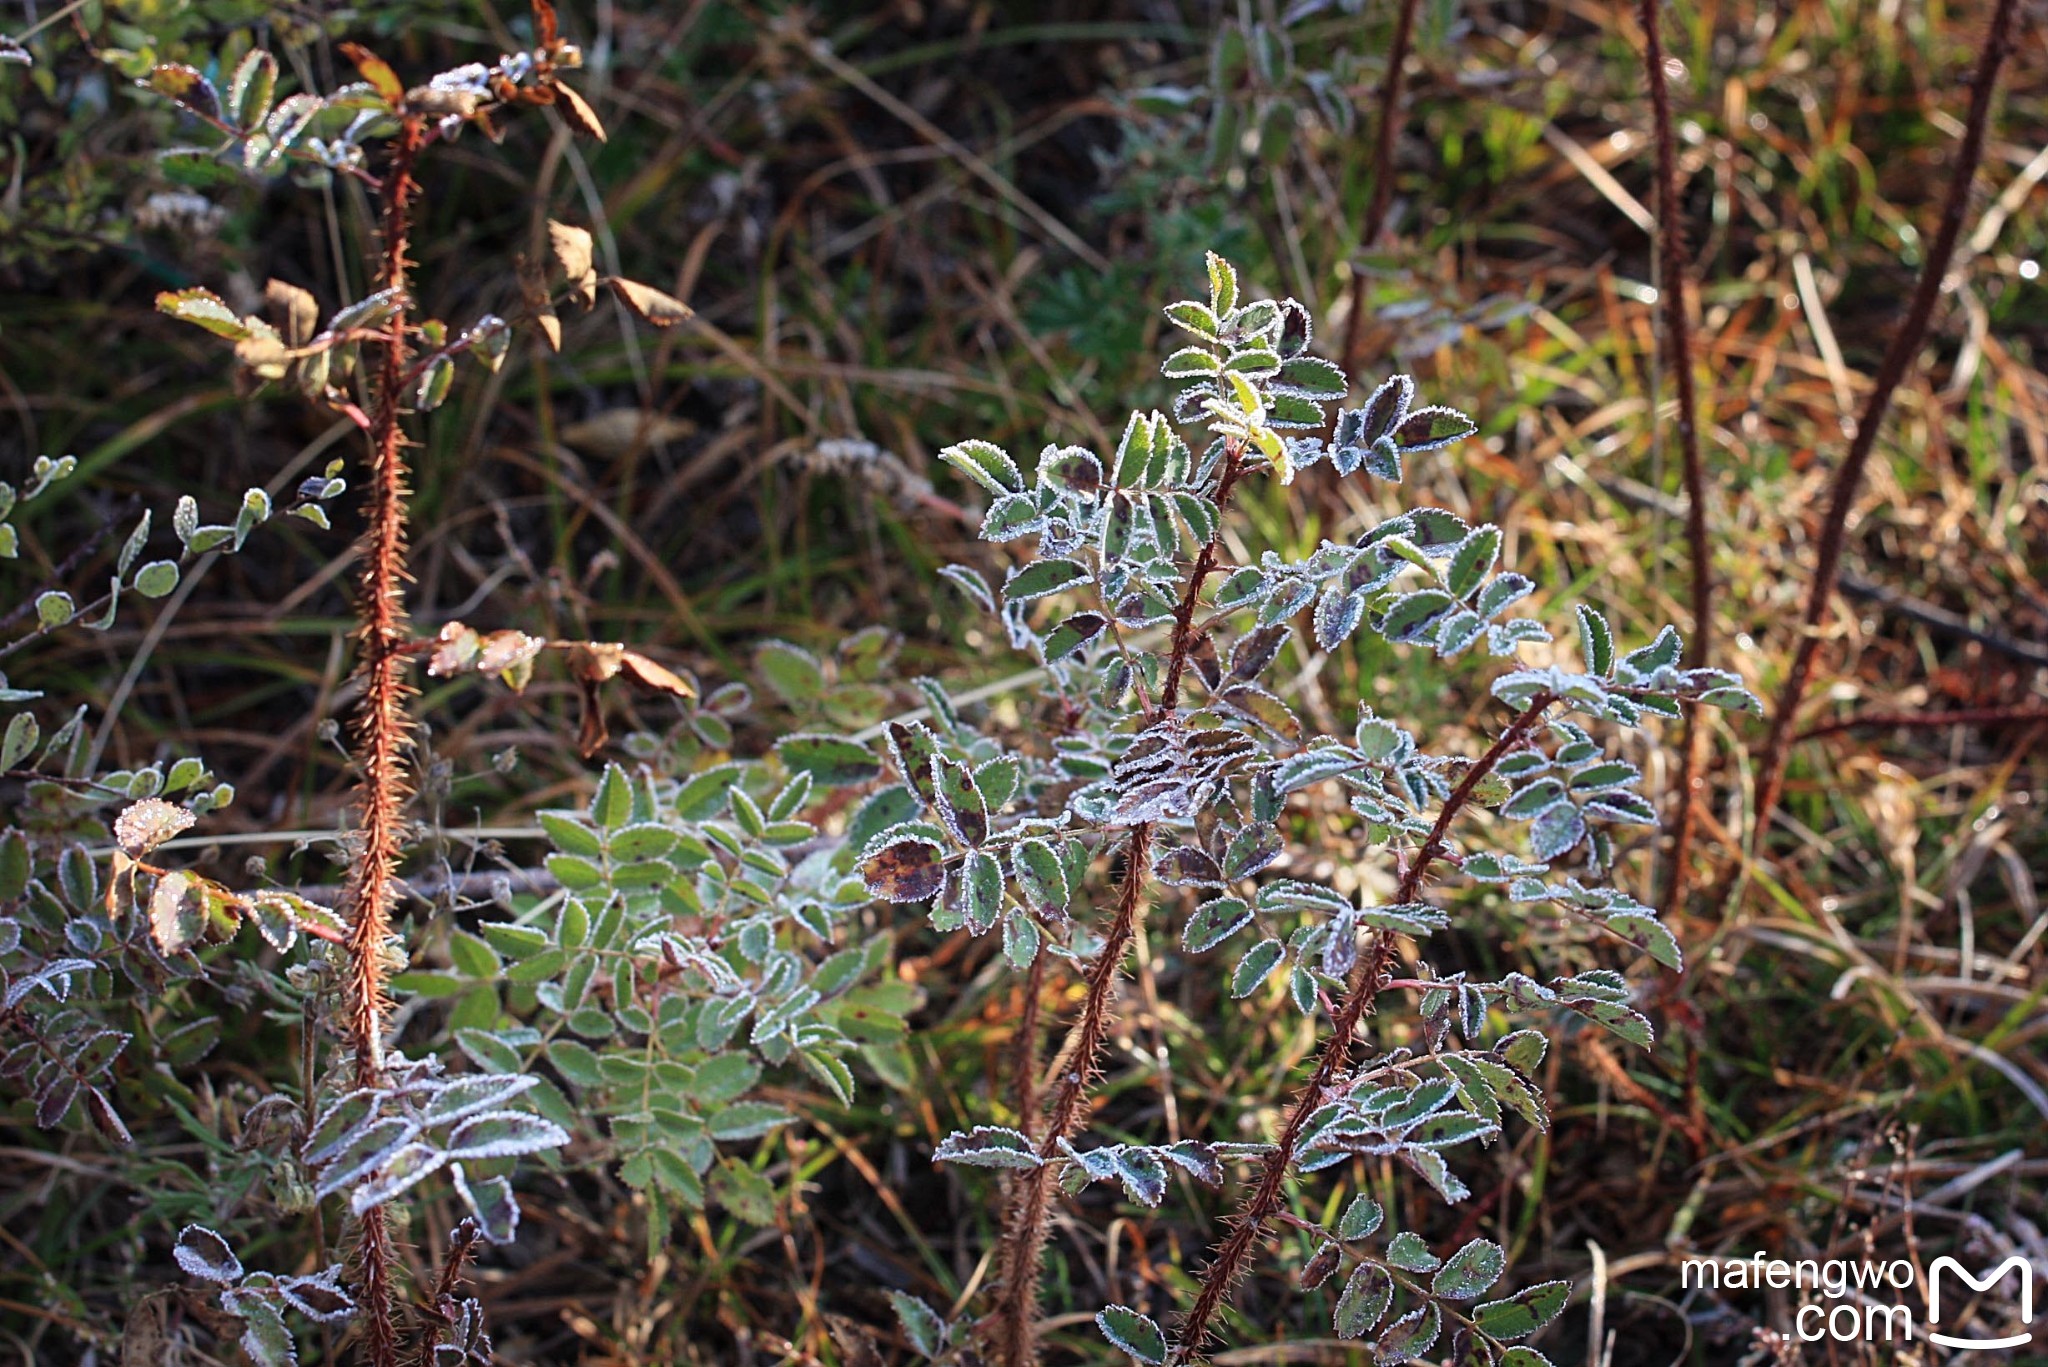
(1672, 265)
(381, 729)
(1233, 1255)
(1891, 372)
(1014, 1333)
(1375, 220)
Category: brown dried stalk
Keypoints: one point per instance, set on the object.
(1233, 1255)
(1671, 272)
(1014, 1332)
(1891, 372)
(1375, 220)
(382, 728)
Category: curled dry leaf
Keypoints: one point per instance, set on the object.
(649, 303)
(296, 309)
(578, 112)
(377, 72)
(144, 825)
(572, 248)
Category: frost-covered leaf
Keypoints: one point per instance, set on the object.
(1468, 1272)
(904, 863)
(1043, 577)
(986, 464)
(320, 1297)
(492, 1202)
(264, 1336)
(1367, 1296)
(1255, 967)
(1523, 1313)
(204, 1254)
(832, 761)
(1360, 1219)
(988, 1146)
(922, 1325)
(1128, 1330)
(1214, 922)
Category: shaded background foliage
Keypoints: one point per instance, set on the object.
(955, 219)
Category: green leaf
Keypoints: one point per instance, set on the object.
(1360, 1219)
(831, 761)
(612, 805)
(1128, 1330)
(986, 464)
(54, 609)
(1043, 577)
(157, 578)
(1596, 640)
(1195, 318)
(1190, 363)
(1254, 968)
(793, 672)
(22, 734)
(1469, 1271)
(251, 89)
(1523, 1313)
(513, 941)
(1222, 285)
(203, 308)
(988, 1146)
(1472, 560)
(747, 1120)
(921, 1324)
(1367, 1296)
(1213, 923)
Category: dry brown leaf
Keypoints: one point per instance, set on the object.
(573, 253)
(377, 72)
(662, 310)
(660, 678)
(295, 308)
(578, 112)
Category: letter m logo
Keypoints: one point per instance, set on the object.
(1985, 1283)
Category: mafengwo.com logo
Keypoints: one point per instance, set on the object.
(1856, 1301)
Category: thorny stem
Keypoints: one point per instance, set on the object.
(382, 727)
(1015, 1329)
(1678, 359)
(1233, 1256)
(1905, 345)
(1382, 178)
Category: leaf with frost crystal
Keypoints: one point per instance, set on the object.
(403, 1171)
(1468, 1272)
(988, 1146)
(1124, 1327)
(830, 760)
(1367, 1296)
(1361, 1218)
(1427, 429)
(986, 464)
(1255, 967)
(1523, 1313)
(1041, 578)
(264, 1336)
(922, 1325)
(204, 1254)
(1214, 922)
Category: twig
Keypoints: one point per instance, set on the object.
(1015, 1327)
(1671, 273)
(1233, 1256)
(382, 728)
(1905, 345)
(1375, 220)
